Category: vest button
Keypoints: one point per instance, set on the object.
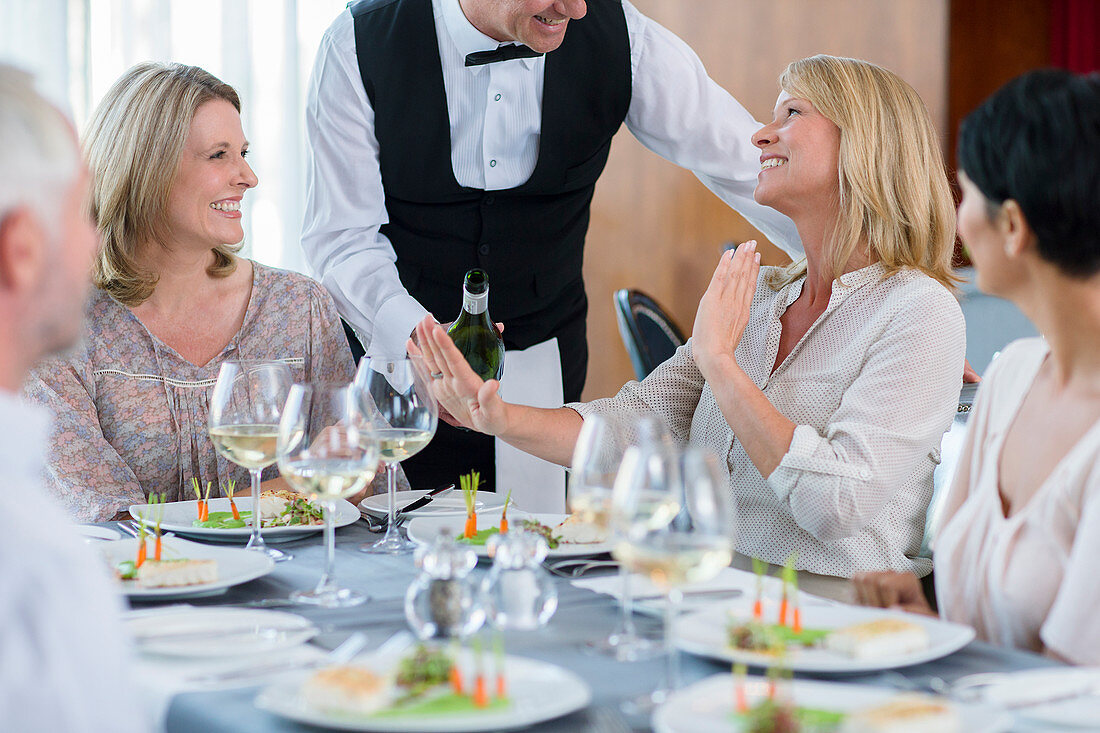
(493, 163)
(497, 98)
(483, 249)
(489, 200)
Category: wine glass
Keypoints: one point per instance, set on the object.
(596, 458)
(326, 449)
(395, 394)
(673, 514)
(245, 407)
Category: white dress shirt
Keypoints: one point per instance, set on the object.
(64, 661)
(871, 387)
(676, 110)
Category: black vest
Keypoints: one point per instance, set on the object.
(530, 239)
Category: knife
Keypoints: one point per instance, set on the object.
(424, 500)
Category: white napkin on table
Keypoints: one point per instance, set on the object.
(729, 579)
(160, 678)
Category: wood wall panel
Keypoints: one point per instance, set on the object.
(654, 226)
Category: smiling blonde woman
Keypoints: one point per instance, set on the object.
(173, 301)
(828, 391)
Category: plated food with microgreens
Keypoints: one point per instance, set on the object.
(741, 703)
(768, 631)
(148, 569)
(430, 688)
(284, 515)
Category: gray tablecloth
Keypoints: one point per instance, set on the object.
(581, 616)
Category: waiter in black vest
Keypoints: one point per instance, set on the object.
(451, 134)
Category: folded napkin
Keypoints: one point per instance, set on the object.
(729, 579)
(160, 678)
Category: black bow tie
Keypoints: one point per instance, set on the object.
(501, 53)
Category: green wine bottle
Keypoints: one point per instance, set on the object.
(474, 332)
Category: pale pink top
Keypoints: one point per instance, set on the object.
(1028, 581)
(131, 413)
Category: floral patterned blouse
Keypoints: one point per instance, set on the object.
(130, 413)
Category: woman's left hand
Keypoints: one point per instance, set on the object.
(724, 310)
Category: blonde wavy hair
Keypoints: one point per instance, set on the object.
(133, 146)
(894, 193)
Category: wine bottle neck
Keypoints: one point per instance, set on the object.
(475, 304)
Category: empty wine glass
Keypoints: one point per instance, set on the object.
(673, 514)
(245, 408)
(596, 458)
(395, 393)
(326, 449)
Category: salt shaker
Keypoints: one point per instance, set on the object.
(518, 593)
(442, 601)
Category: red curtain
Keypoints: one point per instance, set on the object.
(1075, 34)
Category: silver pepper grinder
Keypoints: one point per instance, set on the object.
(442, 601)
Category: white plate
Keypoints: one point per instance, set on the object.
(447, 505)
(95, 532)
(539, 691)
(178, 515)
(204, 632)
(704, 633)
(1032, 686)
(425, 529)
(235, 566)
(707, 706)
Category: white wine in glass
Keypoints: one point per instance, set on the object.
(245, 408)
(674, 521)
(326, 450)
(395, 394)
(596, 459)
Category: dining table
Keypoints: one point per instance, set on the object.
(582, 616)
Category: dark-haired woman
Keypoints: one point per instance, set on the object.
(1016, 555)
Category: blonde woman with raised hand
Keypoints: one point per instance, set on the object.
(826, 385)
(172, 301)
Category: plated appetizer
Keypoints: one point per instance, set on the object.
(427, 681)
(877, 639)
(160, 572)
(277, 509)
(776, 711)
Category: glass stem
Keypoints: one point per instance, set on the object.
(391, 493)
(672, 605)
(256, 540)
(629, 632)
(328, 579)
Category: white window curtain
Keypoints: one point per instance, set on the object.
(263, 48)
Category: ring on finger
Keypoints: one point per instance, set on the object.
(437, 375)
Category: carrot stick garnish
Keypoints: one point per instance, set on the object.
(790, 593)
(481, 695)
(141, 546)
(741, 704)
(159, 500)
(504, 514)
(469, 484)
(455, 675)
(797, 626)
(198, 495)
(761, 569)
(498, 659)
(230, 489)
(206, 502)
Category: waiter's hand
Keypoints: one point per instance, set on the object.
(724, 309)
(471, 402)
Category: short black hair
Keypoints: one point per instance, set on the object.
(1036, 141)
